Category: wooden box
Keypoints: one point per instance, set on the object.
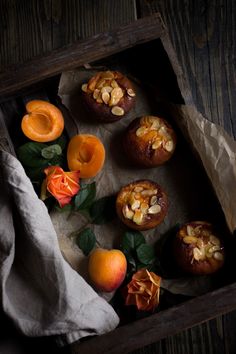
(42, 75)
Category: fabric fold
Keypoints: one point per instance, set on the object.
(40, 292)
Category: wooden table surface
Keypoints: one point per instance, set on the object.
(202, 34)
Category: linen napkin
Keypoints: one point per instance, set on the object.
(40, 292)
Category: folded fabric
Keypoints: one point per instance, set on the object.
(40, 292)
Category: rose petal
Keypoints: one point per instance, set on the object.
(144, 290)
(64, 201)
(62, 185)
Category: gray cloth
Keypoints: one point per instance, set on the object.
(40, 292)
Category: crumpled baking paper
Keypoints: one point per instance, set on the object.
(189, 196)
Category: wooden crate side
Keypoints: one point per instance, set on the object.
(81, 52)
(166, 323)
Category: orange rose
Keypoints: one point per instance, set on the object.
(62, 185)
(144, 290)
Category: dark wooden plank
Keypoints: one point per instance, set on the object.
(229, 324)
(202, 33)
(161, 325)
(25, 28)
(206, 338)
(33, 28)
(81, 52)
(77, 19)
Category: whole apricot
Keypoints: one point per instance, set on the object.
(43, 122)
(85, 153)
(107, 269)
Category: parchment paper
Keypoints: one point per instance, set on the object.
(190, 195)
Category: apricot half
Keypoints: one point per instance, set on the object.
(85, 153)
(43, 122)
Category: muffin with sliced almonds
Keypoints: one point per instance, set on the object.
(149, 141)
(109, 95)
(198, 249)
(142, 205)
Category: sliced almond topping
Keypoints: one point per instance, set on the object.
(200, 242)
(106, 89)
(100, 83)
(141, 131)
(169, 146)
(132, 198)
(198, 254)
(138, 217)
(190, 239)
(144, 207)
(153, 200)
(214, 240)
(107, 75)
(114, 84)
(84, 87)
(99, 99)
(92, 82)
(156, 144)
(138, 189)
(137, 196)
(128, 214)
(116, 95)
(155, 124)
(147, 120)
(105, 97)
(190, 231)
(117, 111)
(148, 192)
(214, 249)
(154, 209)
(131, 92)
(135, 205)
(96, 93)
(114, 101)
(218, 256)
(162, 129)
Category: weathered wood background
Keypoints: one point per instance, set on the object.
(203, 36)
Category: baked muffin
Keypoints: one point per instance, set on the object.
(109, 95)
(141, 205)
(149, 141)
(197, 249)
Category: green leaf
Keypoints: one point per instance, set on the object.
(145, 253)
(85, 196)
(141, 266)
(103, 210)
(132, 267)
(86, 240)
(29, 154)
(131, 240)
(51, 151)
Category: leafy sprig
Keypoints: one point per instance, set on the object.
(35, 157)
(138, 253)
